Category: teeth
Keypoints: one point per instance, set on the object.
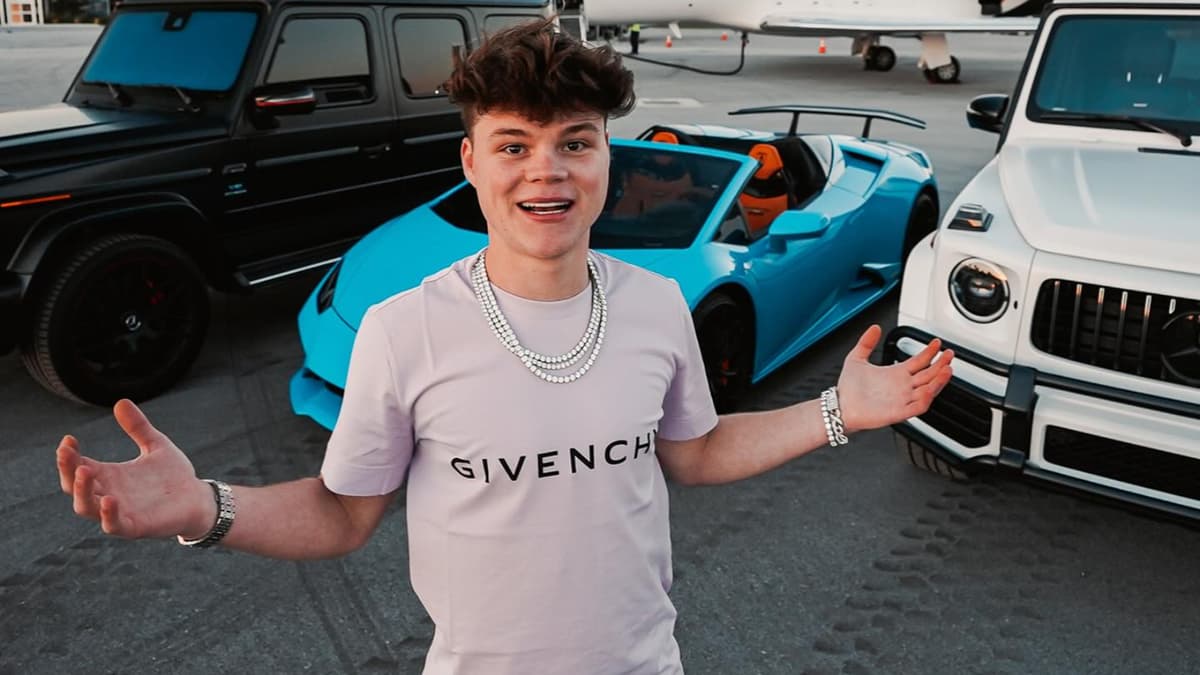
(545, 205)
(546, 208)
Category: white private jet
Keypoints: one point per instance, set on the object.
(864, 20)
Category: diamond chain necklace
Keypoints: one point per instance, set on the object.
(540, 364)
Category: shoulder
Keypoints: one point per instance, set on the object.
(409, 308)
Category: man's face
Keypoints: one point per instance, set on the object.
(540, 186)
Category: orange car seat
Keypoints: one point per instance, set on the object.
(665, 137)
(769, 192)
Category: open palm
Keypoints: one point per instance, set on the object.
(155, 494)
(874, 396)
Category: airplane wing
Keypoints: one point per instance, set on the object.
(818, 27)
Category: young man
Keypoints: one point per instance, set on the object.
(535, 396)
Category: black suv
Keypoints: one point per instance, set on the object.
(223, 144)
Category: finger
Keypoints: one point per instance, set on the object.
(137, 426)
(924, 357)
(85, 498)
(924, 377)
(866, 344)
(67, 458)
(111, 520)
(925, 394)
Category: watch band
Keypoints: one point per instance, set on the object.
(226, 509)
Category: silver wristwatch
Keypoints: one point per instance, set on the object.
(226, 509)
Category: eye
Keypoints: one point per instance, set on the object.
(513, 149)
(575, 146)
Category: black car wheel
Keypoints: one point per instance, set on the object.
(727, 345)
(922, 219)
(124, 317)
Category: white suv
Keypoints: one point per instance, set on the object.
(1066, 275)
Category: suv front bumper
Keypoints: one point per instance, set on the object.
(1137, 448)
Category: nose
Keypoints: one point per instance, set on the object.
(546, 167)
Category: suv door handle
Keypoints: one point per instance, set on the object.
(375, 151)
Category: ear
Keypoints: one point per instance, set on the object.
(467, 155)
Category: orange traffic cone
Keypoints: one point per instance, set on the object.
(821, 46)
(668, 40)
(724, 36)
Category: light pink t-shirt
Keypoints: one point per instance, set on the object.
(537, 512)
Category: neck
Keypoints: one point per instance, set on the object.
(536, 279)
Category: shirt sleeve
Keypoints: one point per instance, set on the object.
(688, 410)
(372, 442)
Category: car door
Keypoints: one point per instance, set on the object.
(799, 280)
(308, 180)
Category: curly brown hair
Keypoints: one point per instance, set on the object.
(540, 73)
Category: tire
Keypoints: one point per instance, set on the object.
(726, 339)
(947, 74)
(922, 219)
(123, 317)
(922, 458)
(881, 58)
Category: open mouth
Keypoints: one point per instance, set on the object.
(546, 208)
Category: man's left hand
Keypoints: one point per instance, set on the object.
(874, 396)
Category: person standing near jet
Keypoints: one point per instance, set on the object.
(635, 32)
(534, 396)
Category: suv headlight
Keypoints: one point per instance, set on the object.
(979, 290)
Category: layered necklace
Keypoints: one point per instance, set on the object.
(546, 367)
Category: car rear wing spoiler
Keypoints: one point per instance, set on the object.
(840, 111)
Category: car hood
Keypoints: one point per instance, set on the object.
(399, 254)
(1114, 204)
(54, 131)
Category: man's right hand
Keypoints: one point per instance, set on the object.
(156, 494)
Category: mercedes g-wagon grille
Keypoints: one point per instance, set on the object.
(1154, 336)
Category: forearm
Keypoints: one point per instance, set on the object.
(299, 520)
(747, 444)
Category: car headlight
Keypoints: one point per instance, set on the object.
(979, 290)
(325, 293)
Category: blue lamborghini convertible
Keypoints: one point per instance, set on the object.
(776, 239)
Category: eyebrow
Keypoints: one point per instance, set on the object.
(521, 133)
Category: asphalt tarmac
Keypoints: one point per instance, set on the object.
(845, 561)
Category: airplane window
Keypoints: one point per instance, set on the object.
(1123, 66)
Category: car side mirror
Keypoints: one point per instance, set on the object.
(986, 112)
(799, 225)
(274, 102)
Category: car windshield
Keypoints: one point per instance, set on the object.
(657, 198)
(1098, 70)
(196, 50)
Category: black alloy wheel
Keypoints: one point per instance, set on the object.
(727, 346)
(922, 219)
(124, 317)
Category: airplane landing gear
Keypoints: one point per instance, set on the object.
(879, 57)
(944, 74)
